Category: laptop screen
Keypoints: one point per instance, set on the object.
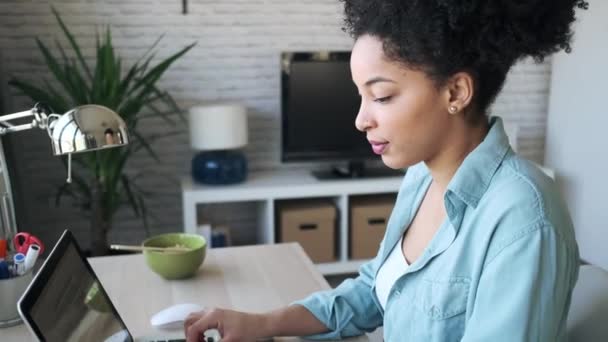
(66, 301)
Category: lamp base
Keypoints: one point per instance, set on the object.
(219, 167)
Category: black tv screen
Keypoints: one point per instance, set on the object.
(319, 103)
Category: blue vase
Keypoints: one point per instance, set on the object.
(219, 167)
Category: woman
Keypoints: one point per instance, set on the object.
(479, 246)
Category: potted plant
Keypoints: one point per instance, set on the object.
(100, 184)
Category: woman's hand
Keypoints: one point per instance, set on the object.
(232, 325)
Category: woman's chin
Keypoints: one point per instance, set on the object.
(397, 163)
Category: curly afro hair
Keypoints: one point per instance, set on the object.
(482, 37)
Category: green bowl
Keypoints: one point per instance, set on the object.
(176, 265)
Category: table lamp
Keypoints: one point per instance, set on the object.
(85, 128)
(218, 132)
(82, 129)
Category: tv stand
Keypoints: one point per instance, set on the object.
(355, 170)
(266, 188)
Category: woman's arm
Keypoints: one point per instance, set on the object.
(348, 310)
(233, 325)
(294, 320)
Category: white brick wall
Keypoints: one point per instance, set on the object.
(236, 58)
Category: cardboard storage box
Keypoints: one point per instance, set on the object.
(368, 219)
(312, 224)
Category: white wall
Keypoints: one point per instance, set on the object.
(576, 146)
(237, 58)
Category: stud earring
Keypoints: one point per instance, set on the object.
(452, 109)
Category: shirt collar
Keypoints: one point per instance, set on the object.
(474, 174)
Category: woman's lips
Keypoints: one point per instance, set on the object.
(378, 147)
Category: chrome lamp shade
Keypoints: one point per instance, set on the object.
(87, 128)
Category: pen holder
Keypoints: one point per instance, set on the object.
(11, 290)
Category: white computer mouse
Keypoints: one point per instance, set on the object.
(174, 316)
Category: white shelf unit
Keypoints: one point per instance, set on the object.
(264, 188)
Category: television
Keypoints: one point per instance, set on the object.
(319, 104)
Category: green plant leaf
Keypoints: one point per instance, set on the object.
(158, 113)
(57, 102)
(168, 100)
(113, 162)
(130, 197)
(125, 83)
(64, 56)
(75, 46)
(81, 89)
(67, 76)
(146, 145)
(144, 216)
(129, 109)
(151, 48)
(55, 67)
(148, 80)
(141, 70)
(36, 93)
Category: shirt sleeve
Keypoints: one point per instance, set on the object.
(525, 289)
(349, 309)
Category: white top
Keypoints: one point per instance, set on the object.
(393, 268)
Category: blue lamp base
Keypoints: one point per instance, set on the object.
(219, 167)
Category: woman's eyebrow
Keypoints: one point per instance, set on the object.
(377, 80)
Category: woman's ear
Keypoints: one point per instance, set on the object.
(460, 90)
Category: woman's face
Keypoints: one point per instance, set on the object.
(402, 111)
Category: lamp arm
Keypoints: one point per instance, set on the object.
(40, 112)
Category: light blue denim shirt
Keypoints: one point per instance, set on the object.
(501, 267)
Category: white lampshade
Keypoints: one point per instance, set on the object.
(218, 127)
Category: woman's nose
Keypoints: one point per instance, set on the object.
(363, 121)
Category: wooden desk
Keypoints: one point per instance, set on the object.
(252, 278)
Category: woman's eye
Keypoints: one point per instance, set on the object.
(383, 99)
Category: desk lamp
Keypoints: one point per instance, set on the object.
(84, 128)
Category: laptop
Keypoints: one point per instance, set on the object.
(66, 302)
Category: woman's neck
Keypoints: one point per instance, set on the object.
(445, 164)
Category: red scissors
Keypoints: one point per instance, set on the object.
(22, 242)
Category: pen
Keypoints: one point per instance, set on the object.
(19, 261)
(31, 256)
